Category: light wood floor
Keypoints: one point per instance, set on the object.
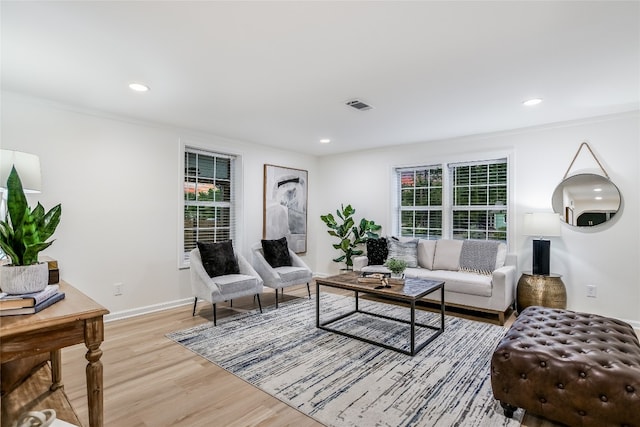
(151, 381)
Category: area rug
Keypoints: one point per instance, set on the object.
(340, 381)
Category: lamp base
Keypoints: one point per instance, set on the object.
(541, 252)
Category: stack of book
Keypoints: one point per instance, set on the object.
(12, 305)
(375, 278)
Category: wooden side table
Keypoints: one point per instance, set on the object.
(74, 320)
(546, 291)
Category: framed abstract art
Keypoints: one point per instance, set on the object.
(285, 206)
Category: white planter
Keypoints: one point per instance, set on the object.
(24, 279)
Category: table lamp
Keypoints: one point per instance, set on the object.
(541, 225)
(28, 168)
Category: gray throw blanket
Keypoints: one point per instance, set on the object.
(479, 256)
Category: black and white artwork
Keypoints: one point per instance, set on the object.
(285, 206)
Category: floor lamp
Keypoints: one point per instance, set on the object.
(541, 225)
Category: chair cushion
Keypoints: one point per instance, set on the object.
(289, 274)
(276, 252)
(218, 258)
(233, 283)
(377, 251)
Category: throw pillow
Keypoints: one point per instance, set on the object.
(377, 251)
(447, 255)
(426, 252)
(502, 255)
(218, 258)
(406, 250)
(276, 252)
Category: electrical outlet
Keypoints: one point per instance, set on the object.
(591, 291)
(117, 289)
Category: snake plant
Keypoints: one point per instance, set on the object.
(24, 232)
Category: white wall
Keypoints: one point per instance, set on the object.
(606, 256)
(119, 184)
(119, 181)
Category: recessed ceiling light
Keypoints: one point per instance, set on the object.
(138, 87)
(597, 189)
(598, 198)
(533, 101)
(325, 141)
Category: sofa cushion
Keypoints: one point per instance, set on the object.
(501, 257)
(406, 250)
(447, 256)
(479, 256)
(377, 251)
(426, 252)
(276, 252)
(455, 281)
(218, 258)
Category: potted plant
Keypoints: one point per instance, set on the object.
(23, 234)
(397, 266)
(350, 234)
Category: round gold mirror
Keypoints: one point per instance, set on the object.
(586, 200)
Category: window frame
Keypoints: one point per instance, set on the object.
(235, 186)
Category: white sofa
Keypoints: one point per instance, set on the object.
(489, 290)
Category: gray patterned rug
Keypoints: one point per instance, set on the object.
(341, 382)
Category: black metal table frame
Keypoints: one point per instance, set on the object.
(414, 350)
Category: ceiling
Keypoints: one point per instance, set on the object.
(279, 73)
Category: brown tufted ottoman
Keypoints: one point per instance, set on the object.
(578, 369)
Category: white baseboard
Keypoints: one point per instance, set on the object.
(147, 309)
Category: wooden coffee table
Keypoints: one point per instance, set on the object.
(409, 292)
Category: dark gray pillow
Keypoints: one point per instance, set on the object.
(218, 259)
(276, 252)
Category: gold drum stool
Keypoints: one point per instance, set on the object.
(546, 291)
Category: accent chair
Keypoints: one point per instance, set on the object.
(281, 277)
(225, 287)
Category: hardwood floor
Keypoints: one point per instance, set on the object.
(151, 381)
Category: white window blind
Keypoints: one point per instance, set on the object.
(209, 198)
(420, 196)
(479, 200)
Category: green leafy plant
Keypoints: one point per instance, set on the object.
(24, 233)
(350, 234)
(397, 266)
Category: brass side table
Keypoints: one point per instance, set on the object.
(546, 291)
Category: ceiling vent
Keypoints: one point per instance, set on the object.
(358, 105)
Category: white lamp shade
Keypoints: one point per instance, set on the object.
(28, 167)
(543, 224)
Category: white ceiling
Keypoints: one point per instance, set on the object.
(278, 73)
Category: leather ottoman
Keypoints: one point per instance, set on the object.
(578, 369)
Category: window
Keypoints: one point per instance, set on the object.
(479, 208)
(421, 202)
(469, 202)
(208, 198)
